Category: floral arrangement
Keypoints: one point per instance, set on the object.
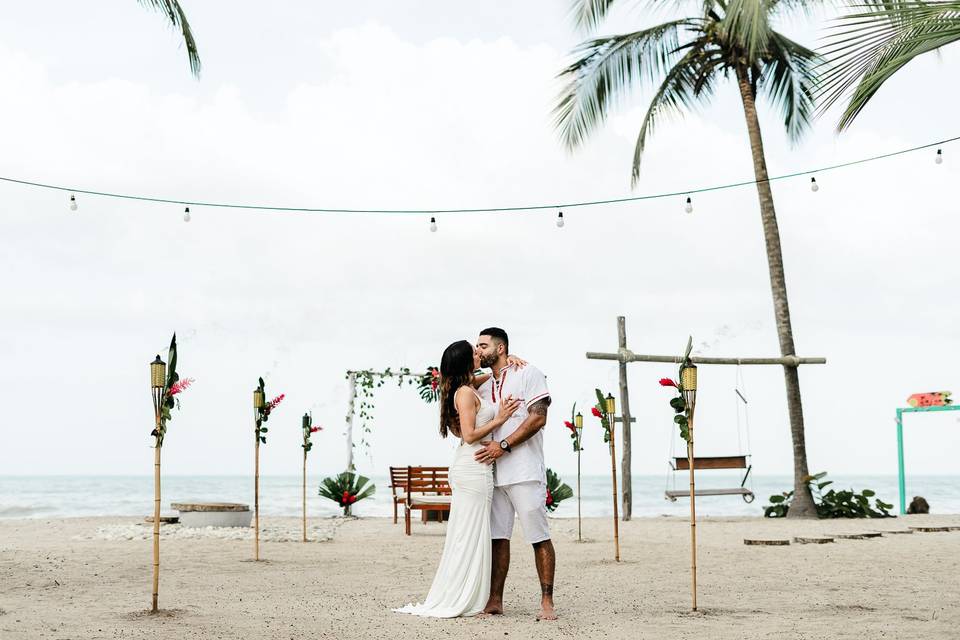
(429, 385)
(557, 491)
(173, 386)
(599, 410)
(679, 406)
(570, 424)
(347, 488)
(308, 430)
(263, 413)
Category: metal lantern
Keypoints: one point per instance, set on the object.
(611, 404)
(259, 402)
(158, 373)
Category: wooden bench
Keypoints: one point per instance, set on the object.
(398, 485)
(426, 489)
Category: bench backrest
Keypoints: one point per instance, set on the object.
(427, 480)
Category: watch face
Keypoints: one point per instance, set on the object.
(504, 445)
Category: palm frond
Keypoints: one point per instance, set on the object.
(789, 78)
(588, 14)
(691, 78)
(174, 12)
(868, 47)
(746, 26)
(606, 69)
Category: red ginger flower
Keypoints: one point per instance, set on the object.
(667, 382)
(549, 498)
(180, 386)
(315, 429)
(596, 412)
(273, 403)
(569, 425)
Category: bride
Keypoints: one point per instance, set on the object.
(462, 582)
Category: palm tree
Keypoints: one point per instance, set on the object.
(174, 12)
(687, 57)
(867, 47)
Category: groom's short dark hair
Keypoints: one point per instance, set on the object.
(499, 334)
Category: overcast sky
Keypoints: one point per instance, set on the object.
(386, 104)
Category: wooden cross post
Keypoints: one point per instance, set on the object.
(625, 464)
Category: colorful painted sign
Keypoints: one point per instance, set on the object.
(931, 399)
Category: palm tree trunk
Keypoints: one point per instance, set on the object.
(802, 505)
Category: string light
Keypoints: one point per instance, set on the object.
(689, 206)
(503, 209)
(186, 214)
(73, 202)
(813, 185)
(560, 220)
(433, 225)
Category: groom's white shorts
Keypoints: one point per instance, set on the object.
(525, 500)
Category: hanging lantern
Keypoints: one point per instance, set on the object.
(611, 404)
(306, 421)
(688, 380)
(158, 373)
(259, 402)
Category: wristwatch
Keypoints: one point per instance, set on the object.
(504, 445)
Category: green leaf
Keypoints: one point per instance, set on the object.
(868, 493)
(777, 499)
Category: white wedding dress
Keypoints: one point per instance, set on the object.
(462, 583)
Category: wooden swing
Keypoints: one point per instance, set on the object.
(707, 463)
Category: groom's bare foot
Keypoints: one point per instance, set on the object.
(493, 608)
(547, 611)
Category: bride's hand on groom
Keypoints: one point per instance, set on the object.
(517, 361)
(508, 406)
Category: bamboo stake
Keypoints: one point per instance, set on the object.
(156, 520)
(579, 522)
(613, 471)
(693, 514)
(256, 498)
(304, 495)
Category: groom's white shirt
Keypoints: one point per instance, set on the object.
(524, 463)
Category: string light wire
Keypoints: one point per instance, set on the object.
(507, 209)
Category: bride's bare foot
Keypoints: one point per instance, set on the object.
(493, 608)
(546, 610)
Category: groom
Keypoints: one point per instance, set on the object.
(520, 484)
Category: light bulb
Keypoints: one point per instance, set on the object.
(689, 206)
(433, 225)
(939, 158)
(186, 214)
(73, 202)
(560, 220)
(813, 185)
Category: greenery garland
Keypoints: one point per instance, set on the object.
(368, 381)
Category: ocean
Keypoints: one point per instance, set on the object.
(84, 496)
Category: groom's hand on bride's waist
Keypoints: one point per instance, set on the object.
(490, 452)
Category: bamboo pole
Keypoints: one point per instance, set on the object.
(256, 498)
(304, 495)
(156, 520)
(625, 355)
(613, 471)
(693, 514)
(579, 522)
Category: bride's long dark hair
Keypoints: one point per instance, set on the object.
(456, 370)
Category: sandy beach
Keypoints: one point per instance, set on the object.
(57, 580)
